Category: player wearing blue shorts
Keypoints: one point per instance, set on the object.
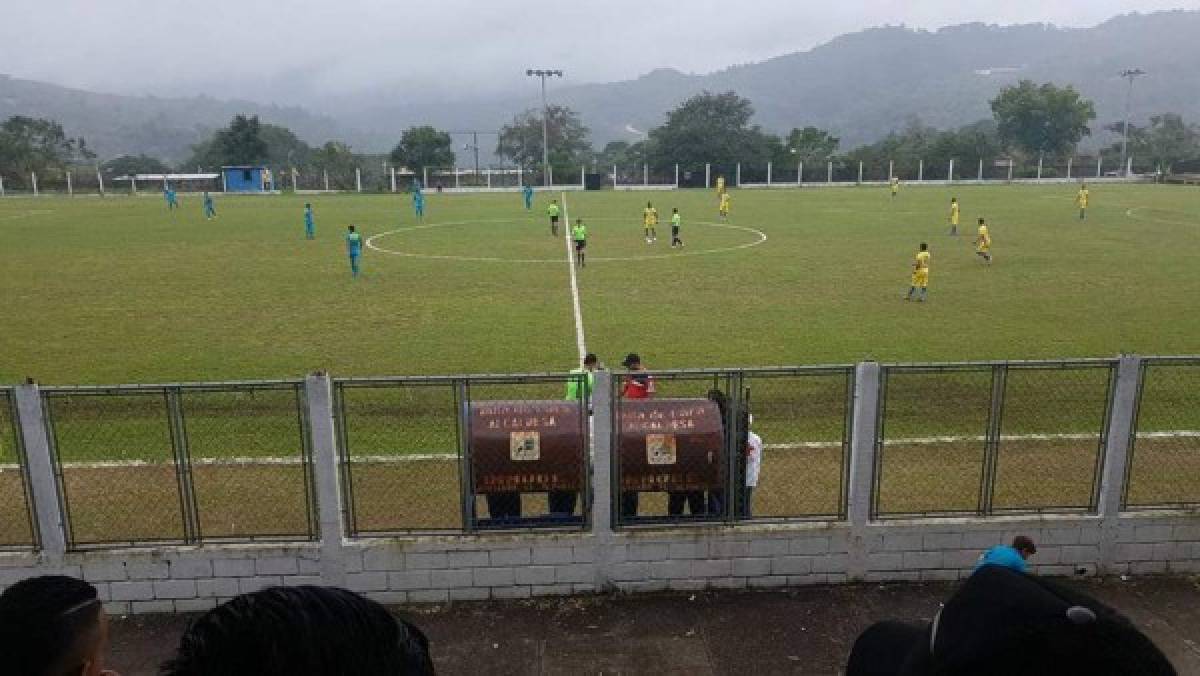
(310, 227)
(419, 203)
(210, 209)
(354, 248)
(527, 191)
(172, 199)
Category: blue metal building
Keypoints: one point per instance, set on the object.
(247, 179)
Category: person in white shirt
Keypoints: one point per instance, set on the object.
(754, 449)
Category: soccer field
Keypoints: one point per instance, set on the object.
(121, 290)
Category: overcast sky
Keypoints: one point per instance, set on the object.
(296, 50)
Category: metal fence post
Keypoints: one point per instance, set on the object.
(739, 175)
(800, 173)
(183, 466)
(33, 177)
(602, 484)
(70, 188)
(42, 481)
(707, 175)
(980, 178)
(920, 170)
(318, 396)
(768, 172)
(676, 174)
(357, 179)
(863, 447)
(614, 177)
(860, 169)
(829, 174)
(991, 443)
(1120, 431)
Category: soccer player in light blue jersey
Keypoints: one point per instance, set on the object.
(310, 227)
(210, 209)
(527, 192)
(419, 203)
(354, 248)
(172, 199)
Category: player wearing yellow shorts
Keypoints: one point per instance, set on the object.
(920, 275)
(953, 215)
(720, 185)
(983, 243)
(723, 209)
(1082, 200)
(895, 183)
(650, 222)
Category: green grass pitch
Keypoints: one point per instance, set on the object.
(121, 290)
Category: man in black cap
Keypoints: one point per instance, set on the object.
(1001, 622)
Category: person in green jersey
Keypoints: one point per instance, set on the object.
(579, 388)
(676, 221)
(354, 248)
(552, 212)
(579, 235)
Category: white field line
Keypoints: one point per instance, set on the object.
(579, 340)
(418, 457)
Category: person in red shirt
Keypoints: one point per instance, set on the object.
(636, 386)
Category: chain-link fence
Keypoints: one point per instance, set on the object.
(182, 464)
(991, 438)
(1164, 452)
(679, 440)
(527, 450)
(1051, 436)
(250, 463)
(932, 439)
(803, 418)
(462, 454)
(16, 522)
(400, 447)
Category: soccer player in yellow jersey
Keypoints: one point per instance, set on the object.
(954, 215)
(1082, 200)
(720, 185)
(895, 183)
(920, 275)
(650, 222)
(983, 243)
(723, 209)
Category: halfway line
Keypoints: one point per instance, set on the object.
(579, 341)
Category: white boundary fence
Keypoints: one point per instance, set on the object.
(838, 173)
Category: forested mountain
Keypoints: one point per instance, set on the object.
(860, 86)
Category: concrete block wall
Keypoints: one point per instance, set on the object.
(494, 566)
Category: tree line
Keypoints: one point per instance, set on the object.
(1029, 121)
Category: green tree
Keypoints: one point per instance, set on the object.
(422, 147)
(337, 159)
(711, 128)
(30, 144)
(280, 148)
(284, 148)
(809, 145)
(240, 143)
(621, 154)
(1042, 119)
(1167, 141)
(127, 165)
(521, 141)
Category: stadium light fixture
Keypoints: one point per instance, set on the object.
(1129, 74)
(543, 74)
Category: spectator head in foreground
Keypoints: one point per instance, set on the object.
(286, 631)
(1004, 622)
(53, 625)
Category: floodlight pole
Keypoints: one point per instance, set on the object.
(543, 74)
(1130, 74)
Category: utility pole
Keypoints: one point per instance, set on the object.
(1130, 74)
(543, 74)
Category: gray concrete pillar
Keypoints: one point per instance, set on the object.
(318, 395)
(602, 497)
(45, 501)
(1120, 432)
(863, 444)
